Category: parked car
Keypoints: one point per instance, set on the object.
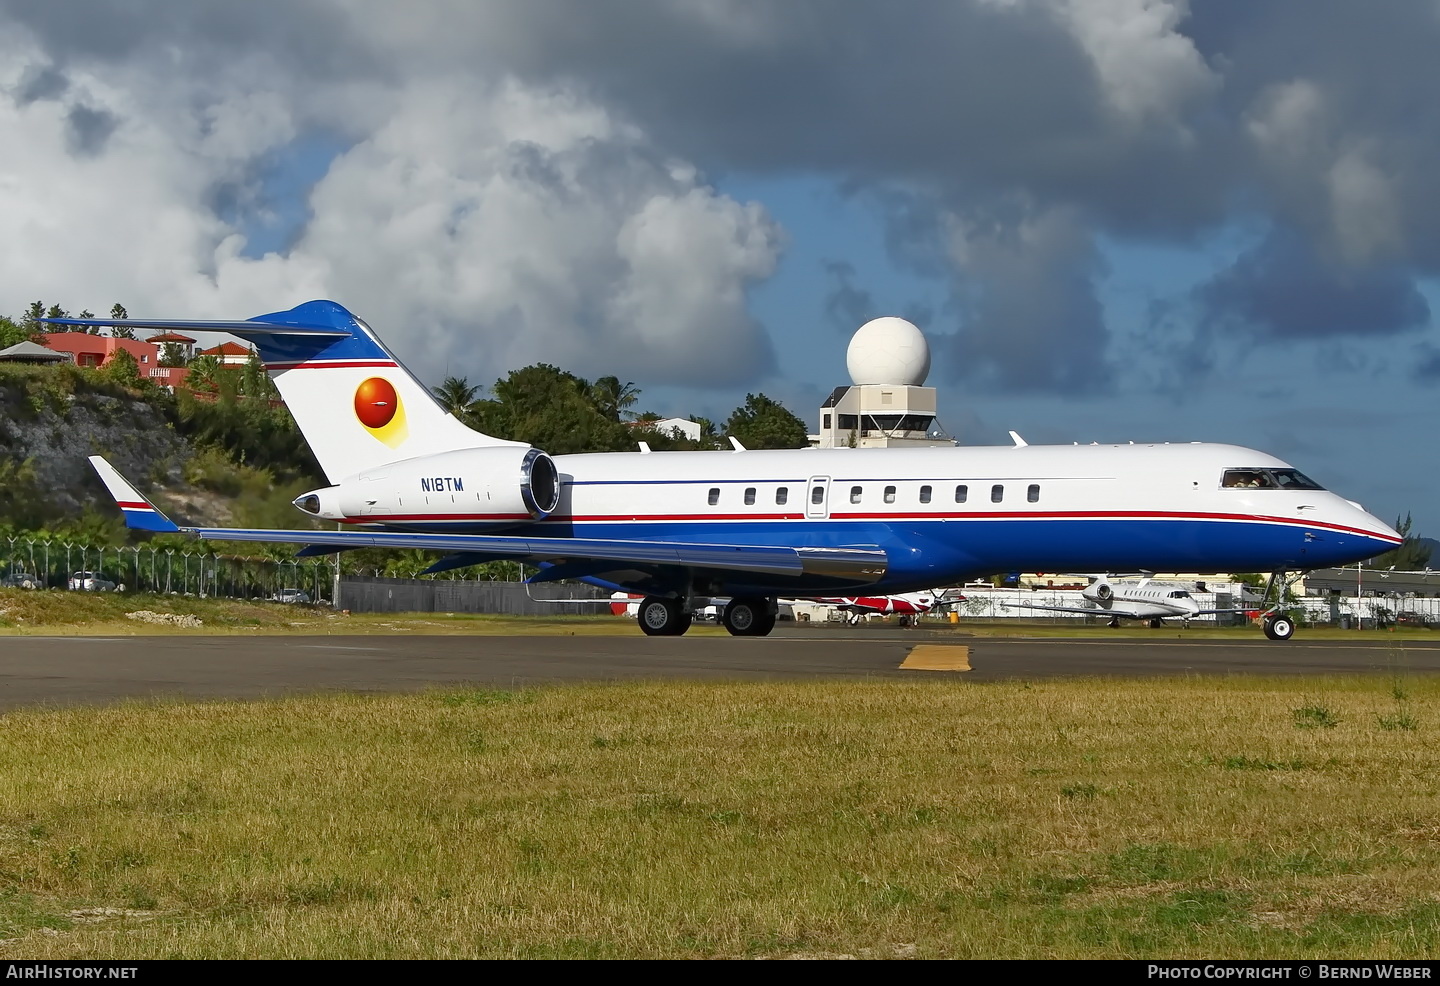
(18, 578)
(1413, 619)
(291, 596)
(90, 582)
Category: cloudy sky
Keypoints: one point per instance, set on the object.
(1142, 220)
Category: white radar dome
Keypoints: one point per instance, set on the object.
(888, 350)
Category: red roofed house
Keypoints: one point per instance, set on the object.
(229, 354)
(186, 344)
(172, 376)
(88, 350)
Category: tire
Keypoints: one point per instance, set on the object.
(660, 617)
(1155, 624)
(748, 617)
(1279, 627)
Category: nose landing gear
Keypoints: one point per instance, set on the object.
(1277, 624)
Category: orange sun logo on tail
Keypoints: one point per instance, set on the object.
(377, 406)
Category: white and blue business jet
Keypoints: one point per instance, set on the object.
(749, 525)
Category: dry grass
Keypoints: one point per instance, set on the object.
(936, 818)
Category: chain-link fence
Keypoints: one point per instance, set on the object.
(53, 564)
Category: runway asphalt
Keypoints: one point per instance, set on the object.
(92, 670)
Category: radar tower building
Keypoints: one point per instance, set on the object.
(887, 404)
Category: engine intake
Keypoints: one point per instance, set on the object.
(540, 483)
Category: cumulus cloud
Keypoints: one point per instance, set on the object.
(479, 224)
(1022, 273)
(1283, 290)
(527, 175)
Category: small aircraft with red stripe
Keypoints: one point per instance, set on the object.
(753, 526)
(908, 606)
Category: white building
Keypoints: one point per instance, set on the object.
(887, 405)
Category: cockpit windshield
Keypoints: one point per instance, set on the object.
(1294, 479)
(1268, 479)
(1178, 594)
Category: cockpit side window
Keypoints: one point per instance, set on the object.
(1247, 479)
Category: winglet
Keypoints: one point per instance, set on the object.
(1019, 442)
(736, 442)
(140, 513)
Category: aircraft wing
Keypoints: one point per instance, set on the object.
(861, 563)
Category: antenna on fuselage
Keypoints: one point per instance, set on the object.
(736, 442)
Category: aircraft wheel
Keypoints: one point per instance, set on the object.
(1279, 627)
(748, 617)
(1114, 621)
(660, 617)
(1155, 624)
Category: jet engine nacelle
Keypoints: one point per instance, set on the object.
(497, 485)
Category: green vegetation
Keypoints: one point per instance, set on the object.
(931, 818)
(561, 413)
(1412, 555)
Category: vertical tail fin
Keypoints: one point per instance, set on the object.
(355, 403)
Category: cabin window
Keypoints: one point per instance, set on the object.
(924, 494)
(855, 492)
(1033, 493)
(749, 496)
(817, 494)
(889, 494)
(962, 493)
(714, 497)
(781, 495)
(997, 493)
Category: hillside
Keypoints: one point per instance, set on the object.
(191, 458)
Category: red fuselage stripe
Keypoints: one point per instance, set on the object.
(131, 505)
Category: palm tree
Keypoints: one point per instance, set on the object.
(456, 395)
(613, 398)
(204, 374)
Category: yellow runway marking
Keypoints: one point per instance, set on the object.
(937, 657)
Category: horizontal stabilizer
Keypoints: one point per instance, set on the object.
(140, 513)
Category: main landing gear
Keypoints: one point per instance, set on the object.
(744, 616)
(749, 616)
(662, 617)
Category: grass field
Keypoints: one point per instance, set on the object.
(934, 818)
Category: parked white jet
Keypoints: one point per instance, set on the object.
(1152, 601)
(755, 525)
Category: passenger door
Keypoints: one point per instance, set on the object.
(817, 497)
